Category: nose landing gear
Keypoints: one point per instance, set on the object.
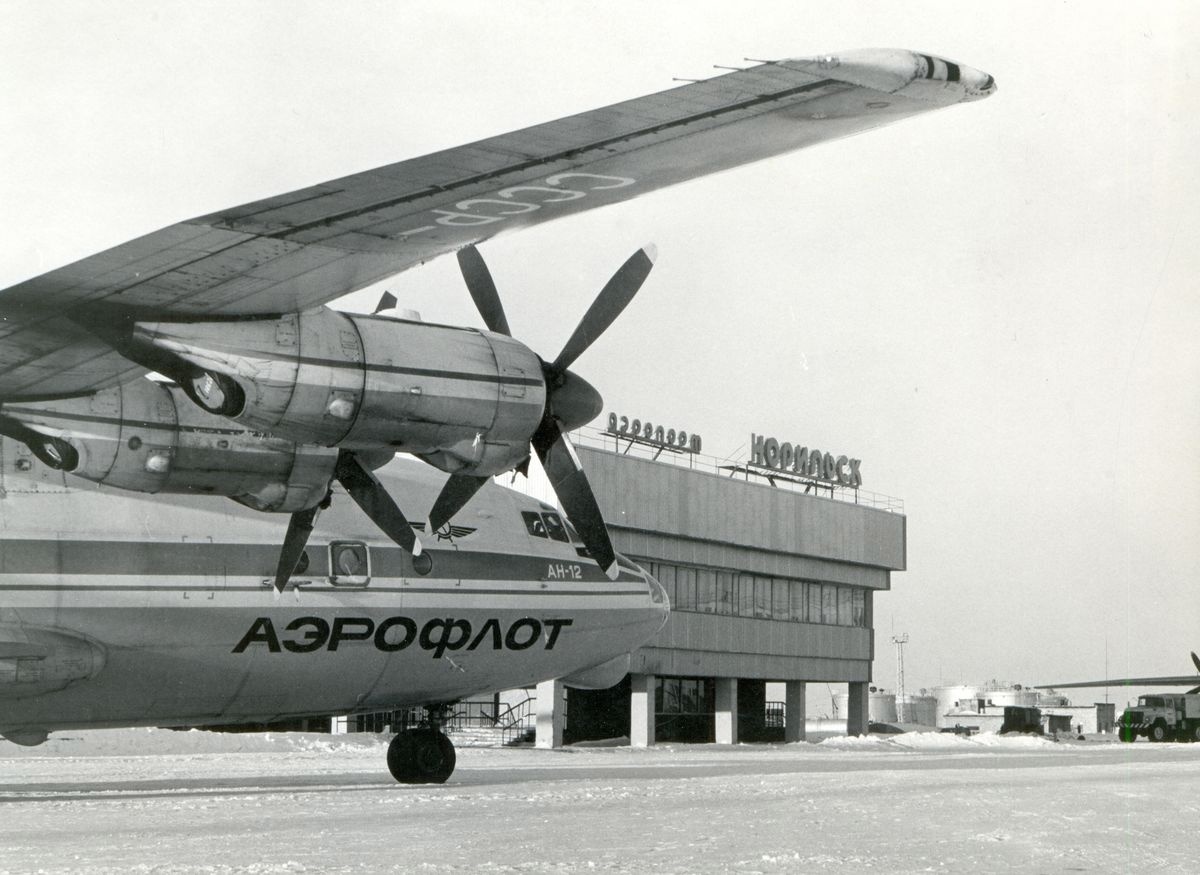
(423, 755)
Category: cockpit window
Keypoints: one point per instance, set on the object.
(534, 523)
(555, 528)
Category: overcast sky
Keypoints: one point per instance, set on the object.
(993, 306)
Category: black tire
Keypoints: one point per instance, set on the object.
(421, 756)
(1195, 735)
(1127, 734)
(1159, 732)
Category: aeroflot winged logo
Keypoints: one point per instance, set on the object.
(446, 532)
(308, 634)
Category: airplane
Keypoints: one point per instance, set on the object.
(201, 360)
(1179, 680)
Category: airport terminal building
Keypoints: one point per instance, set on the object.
(771, 564)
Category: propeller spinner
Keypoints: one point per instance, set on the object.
(570, 401)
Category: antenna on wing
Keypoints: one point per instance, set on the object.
(387, 301)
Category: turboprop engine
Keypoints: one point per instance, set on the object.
(469, 402)
(145, 437)
(466, 401)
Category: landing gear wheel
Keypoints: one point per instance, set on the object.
(421, 756)
(1196, 732)
(1158, 732)
(1126, 733)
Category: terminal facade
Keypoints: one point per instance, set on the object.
(771, 570)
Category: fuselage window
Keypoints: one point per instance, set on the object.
(422, 564)
(534, 523)
(555, 528)
(349, 563)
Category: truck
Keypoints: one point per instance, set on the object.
(1162, 717)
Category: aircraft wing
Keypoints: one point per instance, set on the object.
(1168, 681)
(308, 247)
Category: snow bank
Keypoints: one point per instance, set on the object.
(939, 741)
(156, 742)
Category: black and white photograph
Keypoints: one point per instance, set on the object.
(534, 437)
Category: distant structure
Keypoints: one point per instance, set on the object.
(900, 640)
(980, 707)
(885, 707)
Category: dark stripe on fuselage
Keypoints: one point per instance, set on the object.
(307, 585)
(219, 561)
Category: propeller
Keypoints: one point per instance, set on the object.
(368, 493)
(457, 491)
(1195, 662)
(570, 400)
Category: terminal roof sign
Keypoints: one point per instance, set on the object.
(767, 452)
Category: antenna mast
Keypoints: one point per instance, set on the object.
(900, 640)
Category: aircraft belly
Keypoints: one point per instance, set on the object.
(197, 656)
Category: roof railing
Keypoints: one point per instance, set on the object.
(627, 445)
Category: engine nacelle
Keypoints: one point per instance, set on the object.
(34, 661)
(147, 437)
(463, 400)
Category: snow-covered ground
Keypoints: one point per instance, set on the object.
(157, 801)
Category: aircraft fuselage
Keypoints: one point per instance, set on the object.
(122, 610)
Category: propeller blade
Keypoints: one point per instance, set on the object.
(454, 495)
(613, 298)
(299, 528)
(483, 290)
(1196, 660)
(387, 301)
(575, 494)
(366, 490)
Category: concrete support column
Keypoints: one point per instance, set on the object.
(727, 711)
(794, 706)
(856, 708)
(641, 710)
(550, 714)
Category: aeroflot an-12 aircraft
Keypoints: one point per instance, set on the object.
(121, 610)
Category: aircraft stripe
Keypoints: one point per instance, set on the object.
(233, 560)
(41, 413)
(324, 589)
(417, 372)
(570, 154)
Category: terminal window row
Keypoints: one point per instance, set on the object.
(734, 594)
